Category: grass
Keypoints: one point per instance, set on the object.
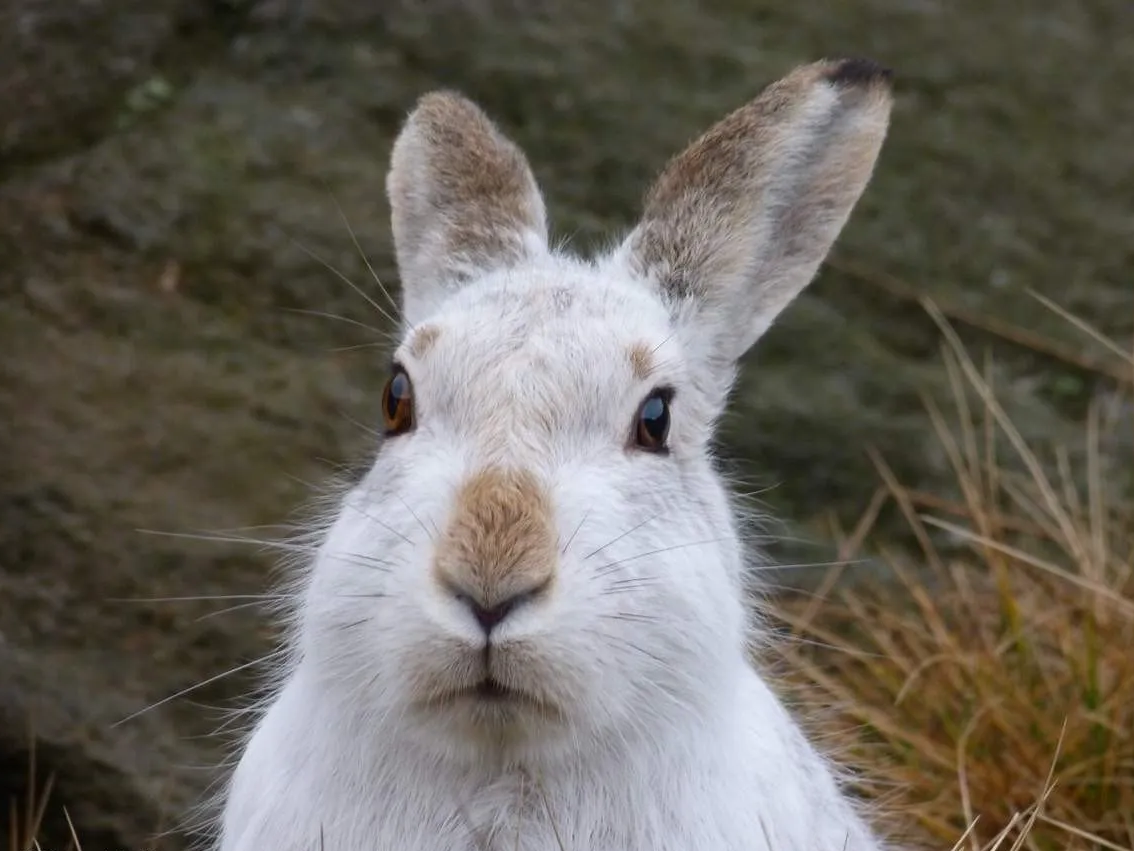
(24, 821)
(986, 693)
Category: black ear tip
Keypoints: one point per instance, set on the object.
(859, 72)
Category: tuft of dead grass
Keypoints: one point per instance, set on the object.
(26, 818)
(987, 693)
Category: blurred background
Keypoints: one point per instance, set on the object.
(171, 173)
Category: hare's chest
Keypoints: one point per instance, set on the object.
(517, 813)
(508, 813)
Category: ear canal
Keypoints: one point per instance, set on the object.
(463, 201)
(738, 224)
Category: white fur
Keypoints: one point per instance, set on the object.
(667, 739)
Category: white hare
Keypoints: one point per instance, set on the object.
(526, 626)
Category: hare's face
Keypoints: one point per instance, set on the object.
(542, 554)
(545, 548)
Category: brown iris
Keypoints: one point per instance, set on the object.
(397, 403)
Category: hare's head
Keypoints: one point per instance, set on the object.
(542, 553)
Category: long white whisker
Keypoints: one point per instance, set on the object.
(810, 565)
(358, 347)
(229, 539)
(202, 684)
(368, 429)
(325, 315)
(361, 253)
(381, 310)
(230, 609)
(200, 598)
(606, 568)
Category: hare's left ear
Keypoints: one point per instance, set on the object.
(737, 225)
(463, 201)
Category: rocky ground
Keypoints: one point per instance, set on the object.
(168, 167)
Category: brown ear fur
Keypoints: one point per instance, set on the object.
(462, 197)
(740, 221)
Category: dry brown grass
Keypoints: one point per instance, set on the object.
(26, 818)
(987, 693)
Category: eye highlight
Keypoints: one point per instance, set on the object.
(397, 403)
(651, 425)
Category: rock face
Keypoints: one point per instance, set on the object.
(67, 66)
(168, 170)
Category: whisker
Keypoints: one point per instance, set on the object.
(202, 684)
(633, 618)
(654, 350)
(661, 365)
(361, 253)
(752, 494)
(230, 609)
(624, 590)
(428, 534)
(357, 346)
(606, 568)
(647, 653)
(630, 584)
(786, 638)
(290, 546)
(623, 535)
(368, 562)
(355, 624)
(234, 529)
(314, 256)
(385, 526)
(373, 432)
(371, 596)
(630, 581)
(586, 514)
(322, 314)
(810, 565)
(200, 598)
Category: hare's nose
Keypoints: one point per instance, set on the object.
(489, 617)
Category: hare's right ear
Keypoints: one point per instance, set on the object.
(737, 225)
(463, 201)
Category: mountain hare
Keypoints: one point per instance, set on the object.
(526, 626)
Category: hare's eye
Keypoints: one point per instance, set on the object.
(397, 403)
(652, 426)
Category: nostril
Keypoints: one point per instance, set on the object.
(490, 616)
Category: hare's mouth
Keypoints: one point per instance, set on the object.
(491, 694)
(492, 690)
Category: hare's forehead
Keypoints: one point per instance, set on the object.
(563, 324)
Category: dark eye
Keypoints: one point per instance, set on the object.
(397, 403)
(652, 426)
